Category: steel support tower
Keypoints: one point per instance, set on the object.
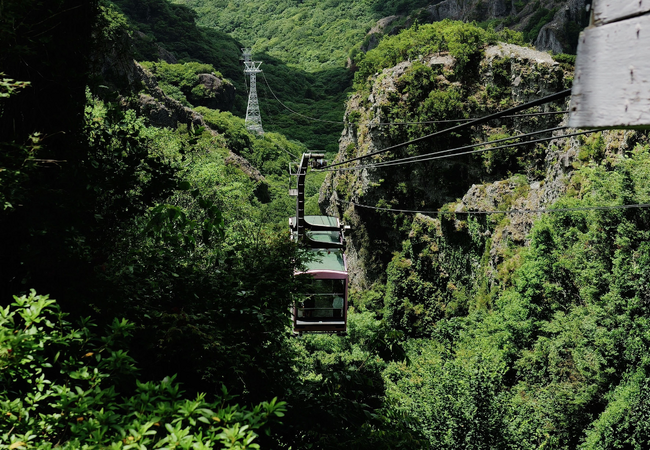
(253, 118)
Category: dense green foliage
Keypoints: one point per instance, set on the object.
(338, 392)
(181, 81)
(473, 341)
(312, 104)
(507, 345)
(157, 23)
(311, 34)
(15, 159)
(548, 355)
(65, 385)
(464, 42)
(223, 263)
(174, 232)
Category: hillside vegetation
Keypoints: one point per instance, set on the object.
(172, 242)
(519, 330)
(158, 27)
(312, 35)
(306, 45)
(147, 274)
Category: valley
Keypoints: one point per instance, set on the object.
(498, 269)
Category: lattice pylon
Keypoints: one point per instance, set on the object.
(253, 118)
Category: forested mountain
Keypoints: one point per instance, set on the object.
(146, 271)
(520, 329)
(306, 44)
(316, 35)
(159, 227)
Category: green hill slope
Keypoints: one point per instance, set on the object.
(313, 35)
(520, 330)
(162, 30)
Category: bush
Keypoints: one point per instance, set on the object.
(463, 41)
(67, 387)
(181, 81)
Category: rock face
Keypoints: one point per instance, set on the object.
(216, 93)
(548, 40)
(450, 9)
(161, 110)
(520, 195)
(507, 75)
(166, 55)
(165, 112)
(476, 209)
(559, 34)
(382, 27)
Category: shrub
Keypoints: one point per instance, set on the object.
(67, 387)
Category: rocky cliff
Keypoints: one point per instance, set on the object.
(113, 63)
(531, 177)
(548, 24)
(163, 111)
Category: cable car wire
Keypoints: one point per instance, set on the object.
(400, 123)
(468, 120)
(506, 211)
(549, 98)
(418, 158)
(288, 152)
(439, 155)
(439, 152)
(268, 117)
(295, 112)
(517, 144)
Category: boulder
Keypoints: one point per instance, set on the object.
(213, 92)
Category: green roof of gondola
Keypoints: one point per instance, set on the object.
(325, 236)
(322, 220)
(327, 260)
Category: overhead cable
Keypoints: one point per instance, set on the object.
(548, 113)
(428, 122)
(439, 155)
(287, 152)
(481, 150)
(440, 152)
(541, 101)
(295, 112)
(505, 211)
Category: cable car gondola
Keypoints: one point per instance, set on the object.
(323, 307)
